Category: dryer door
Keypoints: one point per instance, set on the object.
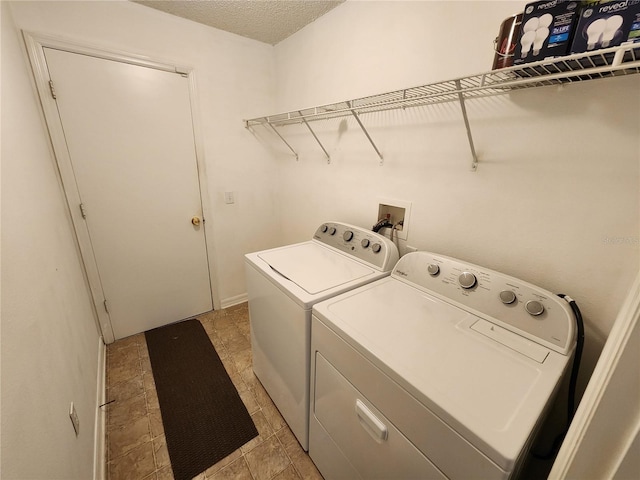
(370, 444)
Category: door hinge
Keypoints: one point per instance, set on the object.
(83, 211)
(53, 90)
(106, 308)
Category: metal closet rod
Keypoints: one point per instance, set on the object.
(620, 60)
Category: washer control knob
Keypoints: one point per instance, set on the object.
(324, 229)
(467, 280)
(433, 269)
(365, 243)
(534, 307)
(332, 231)
(507, 297)
(348, 235)
(376, 247)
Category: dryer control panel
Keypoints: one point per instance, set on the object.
(508, 302)
(366, 245)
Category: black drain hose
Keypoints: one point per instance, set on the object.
(571, 406)
(382, 223)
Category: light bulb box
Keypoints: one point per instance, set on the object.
(547, 30)
(607, 24)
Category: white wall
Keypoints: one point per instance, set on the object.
(50, 342)
(558, 177)
(49, 336)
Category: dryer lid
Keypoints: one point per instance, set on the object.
(315, 268)
(489, 392)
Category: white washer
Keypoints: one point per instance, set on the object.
(283, 284)
(443, 370)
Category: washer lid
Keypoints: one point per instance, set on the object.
(314, 268)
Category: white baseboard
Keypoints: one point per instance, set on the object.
(99, 451)
(231, 301)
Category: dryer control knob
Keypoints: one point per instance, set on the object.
(433, 269)
(376, 247)
(534, 307)
(348, 235)
(324, 229)
(332, 231)
(467, 280)
(507, 297)
(365, 243)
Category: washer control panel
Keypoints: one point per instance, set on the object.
(366, 245)
(513, 304)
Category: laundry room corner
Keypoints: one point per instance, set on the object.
(554, 198)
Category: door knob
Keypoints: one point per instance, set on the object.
(195, 221)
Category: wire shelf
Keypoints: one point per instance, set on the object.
(616, 61)
(604, 63)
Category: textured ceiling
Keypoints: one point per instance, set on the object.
(269, 21)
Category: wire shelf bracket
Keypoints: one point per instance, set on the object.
(604, 63)
(317, 139)
(355, 114)
(474, 164)
(282, 138)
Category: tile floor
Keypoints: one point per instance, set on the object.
(136, 446)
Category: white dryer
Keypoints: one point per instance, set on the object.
(443, 370)
(283, 284)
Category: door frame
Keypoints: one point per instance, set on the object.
(35, 44)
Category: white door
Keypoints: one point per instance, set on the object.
(129, 134)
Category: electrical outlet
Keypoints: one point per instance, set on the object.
(397, 211)
(229, 198)
(73, 415)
